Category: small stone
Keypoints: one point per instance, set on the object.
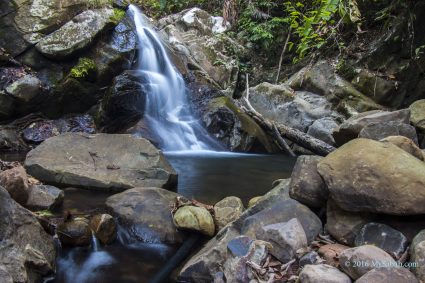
(388, 275)
(104, 227)
(322, 273)
(194, 218)
(309, 258)
(384, 237)
(25, 89)
(15, 181)
(75, 232)
(239, 246)
(44, 197)
(227, 210)
(330, 253)
(405, 144)
(287, 238)
(254, 201)
(307, 185)
(358, 261)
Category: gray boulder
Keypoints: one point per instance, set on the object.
(77, 34)
(323, 129)
(378, 131)
(370, 176)
(25, 89)
(44, 197)
(27, 252)
(307, 186)
(145, 213)
(227, 210)
(405, 144)
(100, 161)
(75, 232)
(388, 275)
(322, 273)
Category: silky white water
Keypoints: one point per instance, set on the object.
(167, 110)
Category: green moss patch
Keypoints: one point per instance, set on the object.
(85, 69)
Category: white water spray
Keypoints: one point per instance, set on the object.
(167, 111)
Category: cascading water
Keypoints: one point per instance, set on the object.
(167, 112)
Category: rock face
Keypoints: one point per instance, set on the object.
(27, 252)
(43, 197)
(76, 34)
(384, 237)
(100, 161)
(405, 144)
(370, 176)
(368, 257)
(307, 185)
(322, 273)
(227, 210)
(224, 120)
(388, 275)
(154, 205)
(104, 228)
(287, 238)
(195, 219)
(15, 181)
(351, 128)
(75, 232)
(124, 104)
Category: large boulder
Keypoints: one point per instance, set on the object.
(307, 185)
(27, 252)
(322, 79)
(370, 176)
(100, 161)
(77, 34)
(145, 213)
(323, 129)
(417, 117)
(15, 181)
(405, 144)
(378, 131)
(239, 132)
(194, 218)
(227, 210)
(124, 103)
(104, 228)
(352, 127)
(75, 232)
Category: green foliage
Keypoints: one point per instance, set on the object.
(84, 68)
(118, 15)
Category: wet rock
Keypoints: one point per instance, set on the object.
(7, 105)
(309, 258)
(75, 232)
(378, 131)
(307, 185)
(331, 252)
(384, 237)
(322, 273)
(323, 129)
(322, 79)
(283, 211)
(40, 131)
(227, 210)
(226, 122)
(405, 144)
(10, 141)
(104, 228)
(105, 162)
(344, 225)
(156, 225)
(417, 117)
(287, 238)
(388, 275)
(358, 261)
(27, 252)
(15, 181)
(370, 176)
(77, 34)
(195, 219)
(351, 128)
(417, 255)
(124, 103)
(44, 197)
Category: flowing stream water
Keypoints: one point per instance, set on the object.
(204, 174)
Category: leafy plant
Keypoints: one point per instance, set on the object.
(84, 68)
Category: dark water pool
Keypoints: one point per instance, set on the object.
(204, 176)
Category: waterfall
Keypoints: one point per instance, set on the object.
(167, 110)
(94, 243)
